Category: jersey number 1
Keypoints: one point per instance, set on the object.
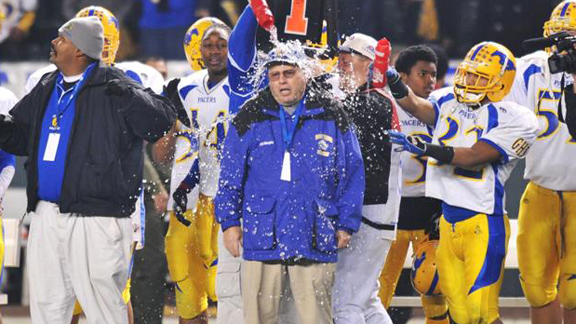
(296, 22)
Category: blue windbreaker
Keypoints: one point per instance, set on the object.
(241, 59)
(297, 219)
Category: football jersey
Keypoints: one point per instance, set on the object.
(302, 20)
(13, 11)
(7, 161)
(413, 166)
(7, 101)
(207, 109)
(146, 75)
(540, 91)
(35, 77)
(506, 126)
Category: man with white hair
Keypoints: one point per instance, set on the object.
(82, 128)
(355, 298)
(290, 192)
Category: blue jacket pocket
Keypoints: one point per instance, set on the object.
(259, 219)
(324, 232)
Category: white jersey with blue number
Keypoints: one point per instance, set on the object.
(207, 109)
(506, 126)
(35, 77)
(144, 74)
(413, 166)
(550, 161)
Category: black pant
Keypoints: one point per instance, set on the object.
(149, 272)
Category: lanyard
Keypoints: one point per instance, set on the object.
(287, 131)
(62, 107)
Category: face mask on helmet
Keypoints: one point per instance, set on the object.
(111, 31)
(424, 272)
(193, 40)
(487, 71)
(563, 18)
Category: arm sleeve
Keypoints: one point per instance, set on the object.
(228, 202)
(519, 91)
(241, 59)
(15, 123)
(513, 135)
(149, 115)
(351, 183)
(7, 167)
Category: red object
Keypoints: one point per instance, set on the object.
(263, 14)
(381, 64)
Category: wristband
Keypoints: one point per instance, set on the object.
(444, 154)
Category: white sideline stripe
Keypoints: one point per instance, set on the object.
(504, 302)
(511, 257)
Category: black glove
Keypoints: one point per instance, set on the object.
(397, 87)
(116, 87)
(433, 229)
(171, 92)
(180, 202)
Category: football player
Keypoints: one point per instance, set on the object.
(546, 239)
(192, 238)
(417, 68)
(476, 142)
(7, 168)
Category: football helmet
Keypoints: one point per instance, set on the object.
(193, 38)
(111, 31)
(487, 71)
(424, 273)
(563, 18)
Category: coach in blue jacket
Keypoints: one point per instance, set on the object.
(291, 190)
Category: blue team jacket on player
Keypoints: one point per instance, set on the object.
(296, 219)
(242, 59)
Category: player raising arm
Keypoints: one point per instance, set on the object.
(476, 141)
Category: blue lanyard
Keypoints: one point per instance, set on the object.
(288, 132)
(62, 107)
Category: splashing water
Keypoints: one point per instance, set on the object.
(310, 66)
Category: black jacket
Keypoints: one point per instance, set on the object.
(103, 167)
(372, 114)
(570, 118)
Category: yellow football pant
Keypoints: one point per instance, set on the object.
(192, 254)
(547, 246)
(471, 258)
(434, 306)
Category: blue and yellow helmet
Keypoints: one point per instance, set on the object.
(424, 274)
(563, 18)
(111, 31)
(494, 67)
(193, 39)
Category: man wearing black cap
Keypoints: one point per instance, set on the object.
(291, 186)
(82, 128)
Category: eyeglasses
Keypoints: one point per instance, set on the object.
(288, 74)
